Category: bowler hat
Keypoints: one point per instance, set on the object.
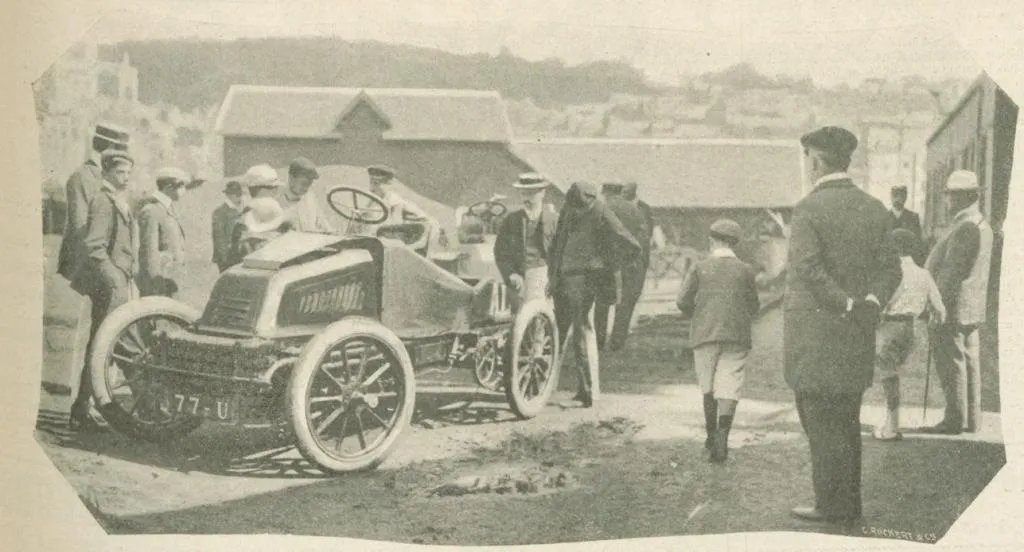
(962, 181)
(727, 229)
(304, 167)
(381, 170)
(531, 181)
(831, 139)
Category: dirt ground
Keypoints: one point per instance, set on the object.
(631, 467)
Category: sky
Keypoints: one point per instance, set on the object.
(828, 40)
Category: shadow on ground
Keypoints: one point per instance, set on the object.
(257, 452)
(645, 489)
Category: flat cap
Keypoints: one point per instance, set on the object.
(262, 176)
(531, 181)
(381, 170)
(303, 166)
(173, 174)
(115, 136)
(899, 188)
(962, 181)
(613, 188)
(727, 228)
(831, 139)
(113, 155)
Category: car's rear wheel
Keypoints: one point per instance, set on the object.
(531, 374)
(351, 394)
(128, 393)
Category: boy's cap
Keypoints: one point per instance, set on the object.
(727, 229)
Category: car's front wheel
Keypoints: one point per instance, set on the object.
(351, 394)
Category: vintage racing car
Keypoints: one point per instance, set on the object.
(324, 335)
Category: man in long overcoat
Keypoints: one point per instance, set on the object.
(842, 269)
(632, 274)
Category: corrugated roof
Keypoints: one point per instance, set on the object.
(678, 173)
(412, 114)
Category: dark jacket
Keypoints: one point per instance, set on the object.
(510, 242)
(632, 218)
(222, 223)
(110, 244)
(839, 249)
(82, 186)
(909, 220)
(589, 237)
(648, 214)
(720, 297)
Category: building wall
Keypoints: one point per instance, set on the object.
(453, 173)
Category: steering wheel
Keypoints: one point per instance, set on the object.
(488, 212)
(372, 211)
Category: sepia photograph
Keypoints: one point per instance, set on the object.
(342, 272)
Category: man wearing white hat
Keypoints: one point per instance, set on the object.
(960, 264)
(524, 239)
(162, 239)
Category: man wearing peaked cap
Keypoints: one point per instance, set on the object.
(399, 208)
(302, 210)
(223, 221)
(162, 238)
(720, 298)
(841, 269)
(960, 264)
(523, 241)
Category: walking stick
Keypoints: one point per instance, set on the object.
(927, 379)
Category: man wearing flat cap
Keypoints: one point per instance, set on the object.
(400, 209)
(523, 241)
(907, 219)
(629, 279)
(223, 221)
(302, 210)
(960, 263)
(109, 268)
(162, 239)
(842, 269)
(589, 242)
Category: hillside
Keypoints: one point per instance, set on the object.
(196, 73)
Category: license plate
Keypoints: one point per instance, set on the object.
(214, 408)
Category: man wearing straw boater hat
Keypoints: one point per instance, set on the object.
(524, 239)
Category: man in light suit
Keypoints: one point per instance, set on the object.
(960, 263)
(81, 187)
(107, 274)
(223, 221)
(842, 269)
(162, 239)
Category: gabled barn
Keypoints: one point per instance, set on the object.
(452, 146)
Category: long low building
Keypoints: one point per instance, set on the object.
(689, 183)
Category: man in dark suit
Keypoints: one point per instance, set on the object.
(589, 243)
(223, 221)
(108, 272)
(162, 239)
(523, 241)
(81, 187)
(842, 269)
(631, 274)
(907, 219)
